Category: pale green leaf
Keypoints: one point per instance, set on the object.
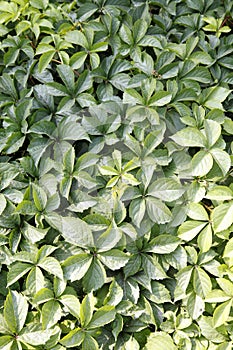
(157, 211)
(166, 189)
(189, 229)
(220, 193)
(222, 217)
(73, 338)
(163, 244)
(159, 341)
(52, 266)
(114, 259)
(201, 282)
(77, 232)
(221, 313)
(15, 311)
(222, 158)
(196, 211)
(102, 316)
(71, 303)
(95, 276)
(195, 305)
(75, 267)
(189, 137)
(201, 164)
(51, 313)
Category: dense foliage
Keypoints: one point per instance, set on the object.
(116, 187)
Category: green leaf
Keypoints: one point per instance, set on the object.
(6, 342)
(196, 211)
(189, 229)
(78, 59)
(216, 95)
(208, 330)
(77, 37)
(71, 303)
(160, 98)
(222, 216)
(195, 305)
(222, 158)
(201, 57)
(133, 97)
(90, 343)
(139, 30)
(73, 338)
(40, 197)
(39, 4)
(26, 207)
(201, 164)
(87, 309)
(76, 231)
(152, 268)
(221, 313)
(51, 313)
(75, 267)
(158, 341)
(102, 316)
(204, 239)
(137, 210)
(114, 259)
(131, 344)
(35, 338)
(33, 234)
(184, 276)
(216, 296)
(115, 294)
(201, 282)
(126, 35)
(163, 244)
(212, 131)
(152, 140)
(95, 276)
(108, 239)
(226, 286)
(189, 137)
(51, 265)
(17, 271)
(157, 211)
(2, 203)
(43, 295)
(15, 311)
(35, 280)
(66, 74)
(166, 189)
(45, 59)
(220, 193)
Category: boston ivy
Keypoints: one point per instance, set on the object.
(116, 203)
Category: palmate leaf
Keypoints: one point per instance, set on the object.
(116, 175)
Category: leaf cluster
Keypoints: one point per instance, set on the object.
(116, 195)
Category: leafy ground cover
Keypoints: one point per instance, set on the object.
(116, 203)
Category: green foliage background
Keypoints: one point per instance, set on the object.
(116, 203)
